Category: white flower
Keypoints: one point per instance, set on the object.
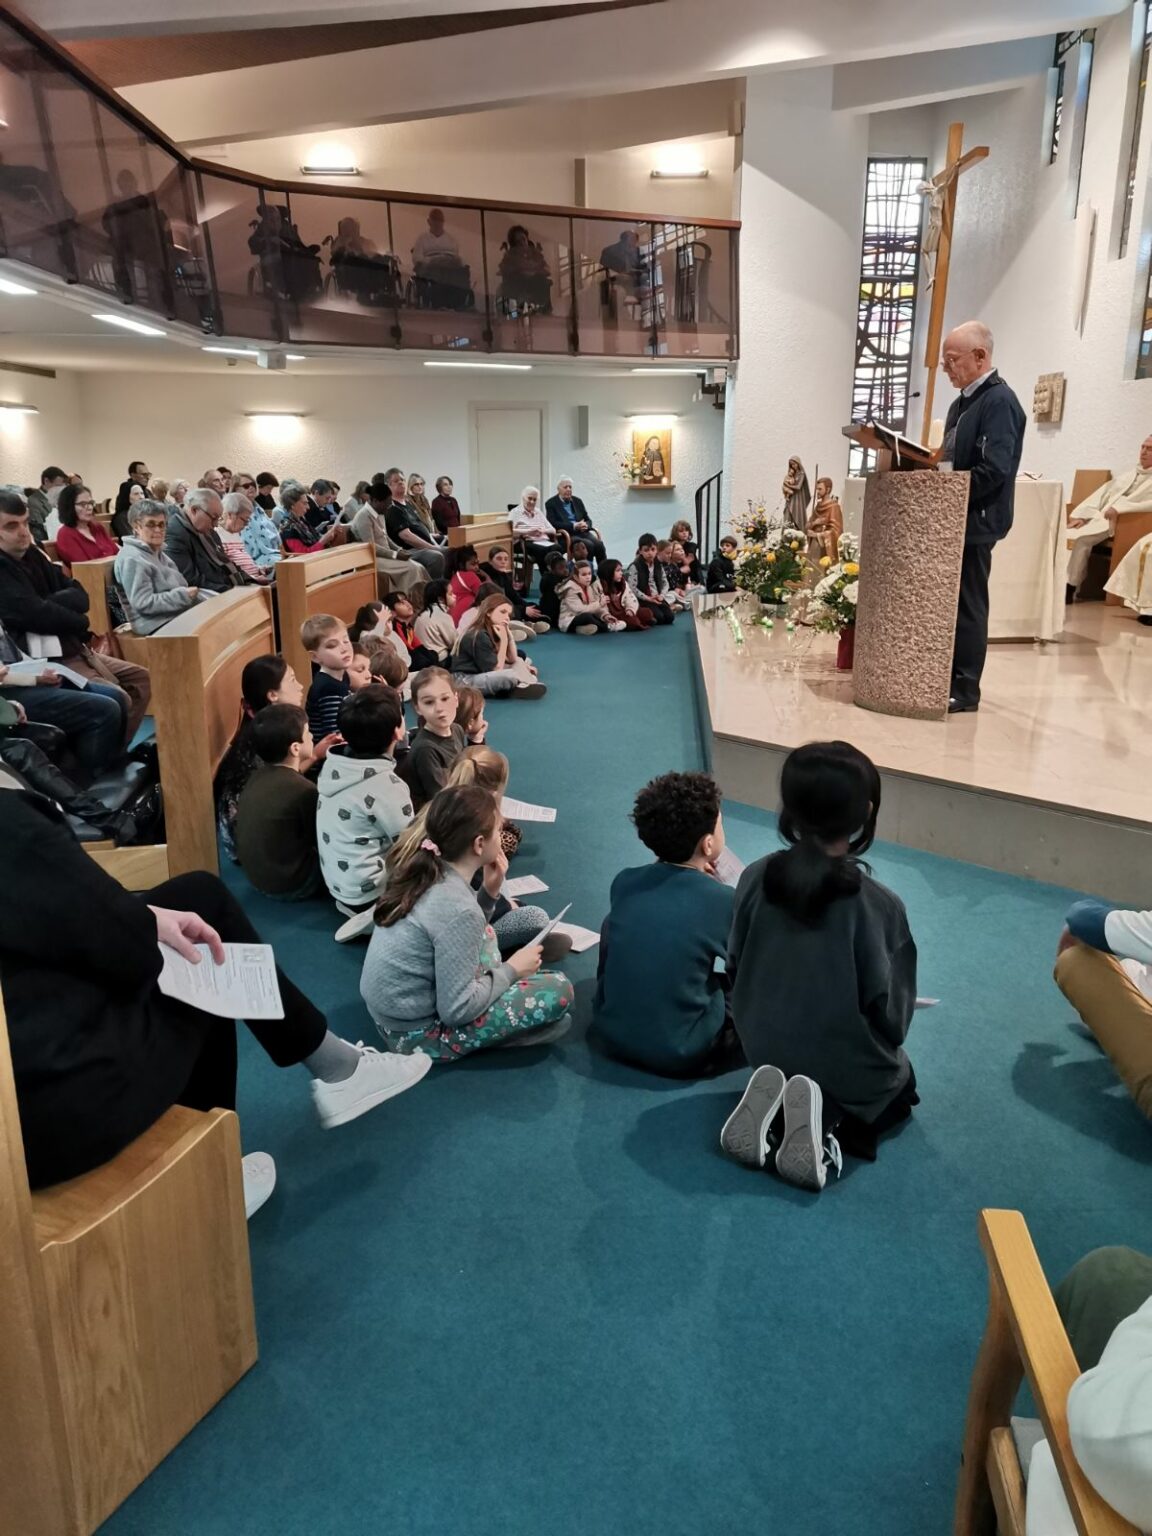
(824, 587)
(851, 593)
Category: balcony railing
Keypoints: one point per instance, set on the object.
(95, 194)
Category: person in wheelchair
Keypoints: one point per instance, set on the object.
(359, 268)
(525, 277)
(441, 279)
(289, 268)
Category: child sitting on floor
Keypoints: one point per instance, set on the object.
(276, 816)
(722, 566)
(359, 669)
(403, 613)
(649, 581)
(823, 969)
(660, 989)
(470, 715)
(325, 638)
(583, 606)
(439, 740)
(555, 573)
(464, 580)
(623, 604)
(433, 979)
(434, 626)
(364, 805)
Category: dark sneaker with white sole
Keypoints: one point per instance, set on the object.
(746, 1132)
(805, 1153)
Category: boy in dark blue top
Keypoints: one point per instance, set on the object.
(660, 990)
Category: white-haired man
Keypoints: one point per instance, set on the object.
(568, 515)
(1094, 520)
(191, 541)
(984, 434)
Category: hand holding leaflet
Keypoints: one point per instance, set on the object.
(547, 929)
(244, 987)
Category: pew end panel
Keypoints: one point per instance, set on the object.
(95, 576)
(493, 532)
(336, 581)
(1023, 1337)
(1130, 529)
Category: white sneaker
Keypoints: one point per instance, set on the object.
(615, 626)
(358, 926)
(746, 1132)
(259, 1172)
(805, 1152)
(380, 1076)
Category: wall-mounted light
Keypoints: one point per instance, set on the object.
(17, 290)
(275, 415)
(654, 418)
(329, 160)
(679, 162)
(652, 372)
(495, 367)
(10, 408)
(131, 325)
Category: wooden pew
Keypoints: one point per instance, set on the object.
(1023, 1336)
(196, 662)
(483, 536)
(336, 581)
(95, 577)
(126, 1313)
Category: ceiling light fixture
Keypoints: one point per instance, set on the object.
(17, 290)
(329, 160)
(10, 408)
(131, 325)
(652, 372)
(296, 357)
(232, 351)
(502, 367)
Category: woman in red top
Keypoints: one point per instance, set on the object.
(296, 532)
(445, 507)
(464, 580)
(81, 537)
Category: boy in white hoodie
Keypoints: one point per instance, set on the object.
(363, 805)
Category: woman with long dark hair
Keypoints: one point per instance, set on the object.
(823, 971)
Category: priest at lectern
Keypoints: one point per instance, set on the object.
(984, 434)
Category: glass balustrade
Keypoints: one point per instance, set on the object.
(94, 195)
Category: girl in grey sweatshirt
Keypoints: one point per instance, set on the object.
(433, 979)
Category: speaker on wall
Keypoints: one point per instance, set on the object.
(582, 437)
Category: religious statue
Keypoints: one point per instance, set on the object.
(826, 523)
(797, 496)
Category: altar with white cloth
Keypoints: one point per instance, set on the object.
(1026, 592)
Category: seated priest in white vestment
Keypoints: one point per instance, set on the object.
(1132, 579)
(1094, 520)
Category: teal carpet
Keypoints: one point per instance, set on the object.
(532, 1298)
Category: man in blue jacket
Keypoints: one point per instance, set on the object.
(984, 434)
(567, 514)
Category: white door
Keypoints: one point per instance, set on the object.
(509, 454)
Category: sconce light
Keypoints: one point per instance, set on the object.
(679, 163)
(329, 160)
(654, 418)
(11, 408)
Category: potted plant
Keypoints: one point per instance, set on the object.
(834, 599)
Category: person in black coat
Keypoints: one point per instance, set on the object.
(191, 542)
(99, 1053)
(984, 434)
(568, 514)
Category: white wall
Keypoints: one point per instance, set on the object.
(801, 207)
(28, 444)
(355, 425)
(1012, 262)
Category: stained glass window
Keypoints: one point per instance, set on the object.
(889, 281)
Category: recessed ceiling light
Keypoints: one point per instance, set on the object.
(503, 367)
(131, 325)
(17, 290)
(652, 372)
(296, 357)
(232, 351)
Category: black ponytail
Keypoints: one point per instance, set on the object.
(829, 792)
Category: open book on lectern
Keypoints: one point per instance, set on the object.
(906, 452)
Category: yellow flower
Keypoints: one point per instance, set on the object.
(825, 562)
(770, 557)
(793, 545)
(851, 568)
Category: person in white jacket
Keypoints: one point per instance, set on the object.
(364, 805)
(1094, 520)
(434, 625)
(1104, 969)
(1110, 1405)
(583, 606)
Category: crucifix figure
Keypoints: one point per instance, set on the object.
(937, 245)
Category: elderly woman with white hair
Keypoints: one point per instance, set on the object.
(233, 526)
(530, 523)
(153, 589)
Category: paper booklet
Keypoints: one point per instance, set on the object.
(524, 810)
(729, 868)
(23, 674)
(244, 987)
(523, 885)
(582, 938)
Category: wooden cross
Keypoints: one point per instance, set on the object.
(955, 165)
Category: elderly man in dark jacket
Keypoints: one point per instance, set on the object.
(984, 434)
(192, 543)
(46, 614)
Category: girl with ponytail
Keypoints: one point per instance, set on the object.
(823, 967)
(433, 978)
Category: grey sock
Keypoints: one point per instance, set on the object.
(333, 1060)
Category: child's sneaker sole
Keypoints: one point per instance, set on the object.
(800, 1158)
(745, 1132)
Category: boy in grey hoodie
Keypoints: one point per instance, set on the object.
(364, 805)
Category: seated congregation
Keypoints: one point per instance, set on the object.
(373, 785)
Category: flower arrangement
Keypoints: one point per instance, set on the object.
(836, 594)
(774, 566)
(752, 527)
(628, 465)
